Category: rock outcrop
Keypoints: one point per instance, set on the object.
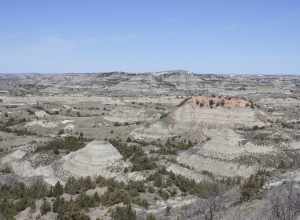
(97, 158)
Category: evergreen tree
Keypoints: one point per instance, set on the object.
(88, 183)
(45, 207)
(72, 186)
(96, 197)
(37, 190)
(151, 217)
(58, 189)
(124, 213)
(58, 205)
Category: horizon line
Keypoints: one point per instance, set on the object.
(162, 72)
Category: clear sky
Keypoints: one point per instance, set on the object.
(212, 36)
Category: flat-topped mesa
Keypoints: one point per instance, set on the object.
(221, 101)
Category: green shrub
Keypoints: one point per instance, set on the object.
(158, 180)
(135, 187)
(202, 189)
(164, 179)
(74, 186)
(68, 210)
(151, 189)
(135, 154)
(45, 207)
(6, 170)
(23, 203)
(58, 189)
(58, 205)
(86, 201)
(114, 196)
(141, 202)
(117, 124)
(172, 146)
(163, 194)
(69, 143)
(123, 213)
(150, 217)
(252, 185)
(7, 208)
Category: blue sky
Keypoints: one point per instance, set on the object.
(212, 36)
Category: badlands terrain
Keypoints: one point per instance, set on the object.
(167, 145)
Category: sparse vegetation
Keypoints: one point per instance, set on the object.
(172, 147)
(247, 128)
(15, 198)
(6, 170)
(117, 124)
(123, 213)
(69, 143)
(75, 186)
(151, 217)
(45, 207)
(164, 179)
(135, 154)
(251, 187)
